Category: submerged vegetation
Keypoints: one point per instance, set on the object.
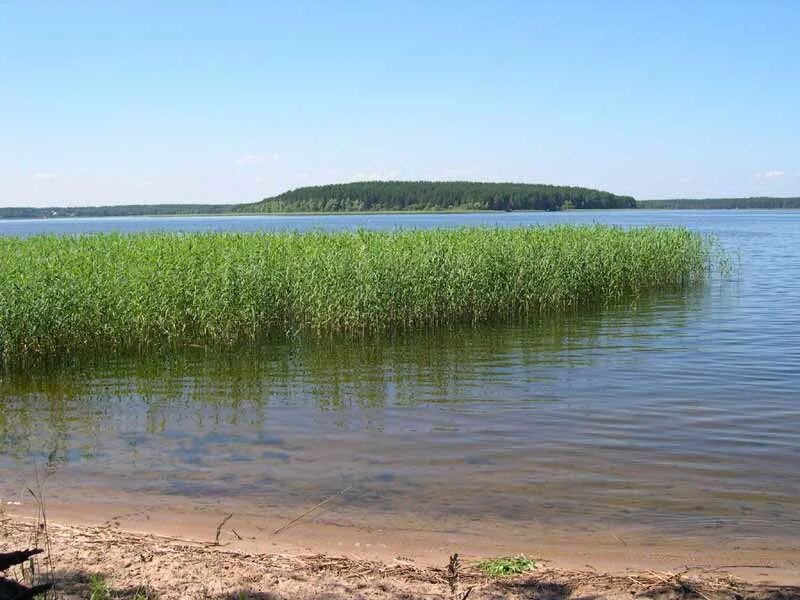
(437, 195)
(63, 296)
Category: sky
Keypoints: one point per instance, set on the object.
(210, 102)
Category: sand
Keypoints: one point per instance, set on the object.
(148, 565)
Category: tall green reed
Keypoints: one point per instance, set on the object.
(62, 296)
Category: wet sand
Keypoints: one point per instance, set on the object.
(334, 530)
(141, 565)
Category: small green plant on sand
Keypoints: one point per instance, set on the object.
(505, 566)
(98, 590)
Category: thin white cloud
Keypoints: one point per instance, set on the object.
(338, 175)
(45, 175)
(372, 175)
(774, 174)
(456, 173)
(250, 160)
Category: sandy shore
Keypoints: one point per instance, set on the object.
(146, 565)
(337, 528)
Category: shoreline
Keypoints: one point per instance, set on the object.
(397, 551)
(148, 565)
(368, 213)
(299, 213)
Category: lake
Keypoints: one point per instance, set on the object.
(677, 411)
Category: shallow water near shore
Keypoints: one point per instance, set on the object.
(675, 412)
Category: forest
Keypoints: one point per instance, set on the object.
(390, 196)
(122, 210)
(367, 196)
(722, 203)
(437, 195)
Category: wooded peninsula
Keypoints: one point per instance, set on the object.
(400, 196)
(438, 195)
(370, 196)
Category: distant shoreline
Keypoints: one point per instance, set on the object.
(641, 205)
(370, 196)
(408, 197)
(754, 203)
(453, 211)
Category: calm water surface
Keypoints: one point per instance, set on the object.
(677, 411)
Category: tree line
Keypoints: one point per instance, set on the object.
(411, 196)
(723, 203)
(123, 210)
(437, 195)
(367, 196)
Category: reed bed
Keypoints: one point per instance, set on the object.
(65, 295)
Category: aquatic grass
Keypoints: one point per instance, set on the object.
(61, 296)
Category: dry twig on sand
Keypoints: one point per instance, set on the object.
(219, 528)
(312, 509)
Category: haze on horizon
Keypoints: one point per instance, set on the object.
(116, 103)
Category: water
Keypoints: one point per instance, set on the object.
(678, 411)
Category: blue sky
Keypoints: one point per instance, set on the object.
(120, 102)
